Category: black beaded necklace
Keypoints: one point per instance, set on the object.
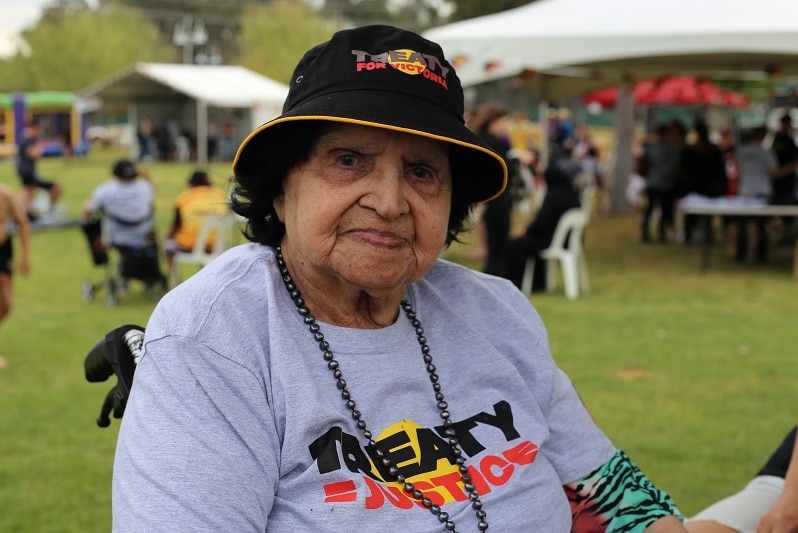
(449, 431)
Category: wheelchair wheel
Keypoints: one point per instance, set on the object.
(87, 291)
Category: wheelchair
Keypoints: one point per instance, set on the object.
(117, 353)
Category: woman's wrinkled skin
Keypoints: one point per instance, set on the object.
(364, 216)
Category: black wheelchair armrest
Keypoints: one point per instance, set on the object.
(118, 353)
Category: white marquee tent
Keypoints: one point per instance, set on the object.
(188, 91)
(612, 37)
(604, 42)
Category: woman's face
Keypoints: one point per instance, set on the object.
(368, 211)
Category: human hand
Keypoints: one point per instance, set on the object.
(24, 266)
(782, 517)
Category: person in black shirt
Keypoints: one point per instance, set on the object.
(786, 153)
(561, 195)
(784, 185)
(28, 153)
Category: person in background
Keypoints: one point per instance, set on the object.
(561, 195)
(767, 504)
(561, 131)
(145, 139)
(757, 168)
(659, 165)
(335, 374)
(127, 206)
(759, 172)
(11, 215)
(192, 207)
(582, 142)
(491, 123)
(595, 173)
(728, 151)
(227, 148)
(703, 172)
(786, 151)
(29, 152)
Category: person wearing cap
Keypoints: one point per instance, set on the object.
(192, 207)
(334, 374)
(127, 204)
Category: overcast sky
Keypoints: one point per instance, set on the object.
(16, 15)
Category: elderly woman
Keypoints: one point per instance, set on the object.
(335, 374)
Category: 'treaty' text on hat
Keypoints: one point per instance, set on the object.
(407, 61)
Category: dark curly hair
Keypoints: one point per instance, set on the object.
(253, 194)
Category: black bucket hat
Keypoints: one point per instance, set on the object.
(389, 78)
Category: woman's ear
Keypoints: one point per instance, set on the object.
(279, 207)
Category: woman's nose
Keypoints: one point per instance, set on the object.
(388, 194)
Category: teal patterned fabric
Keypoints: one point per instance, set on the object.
(617, 498)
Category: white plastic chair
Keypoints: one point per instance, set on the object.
(571, 256)
(217, 227)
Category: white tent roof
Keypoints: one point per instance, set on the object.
(611, 40)
(618, 36)
(224, 86)
(214, 85)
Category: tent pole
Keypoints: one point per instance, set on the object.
(624, 138)
(202, 132)
(133, 120)
(543, 121)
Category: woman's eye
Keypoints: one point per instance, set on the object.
(347, 160)
(421, 173)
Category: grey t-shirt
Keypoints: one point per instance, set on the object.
(127, 208)
(235, 422)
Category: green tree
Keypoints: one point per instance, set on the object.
(72, 49)
(416, 15)
(274, 37)
(219, 19)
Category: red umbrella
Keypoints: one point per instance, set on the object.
(672, 90)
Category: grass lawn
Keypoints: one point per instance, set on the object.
(689, 372)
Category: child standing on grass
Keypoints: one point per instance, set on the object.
(11, 212)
